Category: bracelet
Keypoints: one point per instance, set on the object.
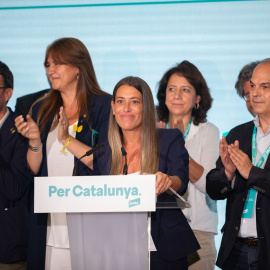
(69, 140)
(66, 145)
(35, 149)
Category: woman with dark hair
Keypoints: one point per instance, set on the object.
(184, 100)
(132, 125)
(62, 127)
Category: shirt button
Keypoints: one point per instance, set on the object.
(237, 228)
(223, 190)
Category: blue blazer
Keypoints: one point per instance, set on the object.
(14, 186)
(170, 230)
(99, 111)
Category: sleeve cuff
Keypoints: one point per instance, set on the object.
(201, 183)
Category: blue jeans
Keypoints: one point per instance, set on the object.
(242, 257)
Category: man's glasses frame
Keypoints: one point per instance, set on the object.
(246, 97)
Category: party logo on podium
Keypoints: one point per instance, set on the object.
(134, 202)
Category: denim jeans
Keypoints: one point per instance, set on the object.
(242, 257)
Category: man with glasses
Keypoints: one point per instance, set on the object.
(242, 84)
(14, 183)
(242, 176)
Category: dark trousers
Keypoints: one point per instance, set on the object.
(242, 257)
(158, 263)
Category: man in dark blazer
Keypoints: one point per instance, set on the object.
(14, 183)
(24, 103)
(242, 176)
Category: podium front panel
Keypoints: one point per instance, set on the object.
(110, 193)
(108, 241)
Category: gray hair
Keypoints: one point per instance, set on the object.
(244, 76)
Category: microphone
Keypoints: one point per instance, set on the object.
(88, 153)
(124, 154)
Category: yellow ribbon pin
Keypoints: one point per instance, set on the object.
(77, 129)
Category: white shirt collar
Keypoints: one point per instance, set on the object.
(257, 124)
(4, 118)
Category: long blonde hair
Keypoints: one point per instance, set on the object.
(69, 51)
(149, 140)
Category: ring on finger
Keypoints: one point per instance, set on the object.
(63, 123)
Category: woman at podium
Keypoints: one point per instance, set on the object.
(132, 127)
(63, 125)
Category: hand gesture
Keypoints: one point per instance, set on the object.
(163, 182)
(180, 125)
(63, 133)
(240, 160)
(229, 166)
(28, 129)
(161, 124)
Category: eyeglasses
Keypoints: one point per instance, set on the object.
(246, 97)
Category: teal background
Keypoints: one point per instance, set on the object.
(142, 38)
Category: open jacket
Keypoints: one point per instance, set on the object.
(99, 111)
(218, 187)
(170, 231)
(14, 186)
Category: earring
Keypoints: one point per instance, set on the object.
(197, 106)
(78, 76)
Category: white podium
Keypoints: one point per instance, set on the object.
(106, 216)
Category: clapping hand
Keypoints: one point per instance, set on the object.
(63, 133)
(229, 166)
(240, 160)
(28, 128)
(179, 125)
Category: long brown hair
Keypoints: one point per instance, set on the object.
(149, 142)
(69, 51)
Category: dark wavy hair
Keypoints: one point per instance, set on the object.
(191, 73)
(245, 75)
(7, 75)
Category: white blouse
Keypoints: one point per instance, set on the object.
(59, 164)
(202, 144)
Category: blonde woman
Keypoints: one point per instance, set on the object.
(149, 150)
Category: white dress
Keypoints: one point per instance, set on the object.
(202, 143)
